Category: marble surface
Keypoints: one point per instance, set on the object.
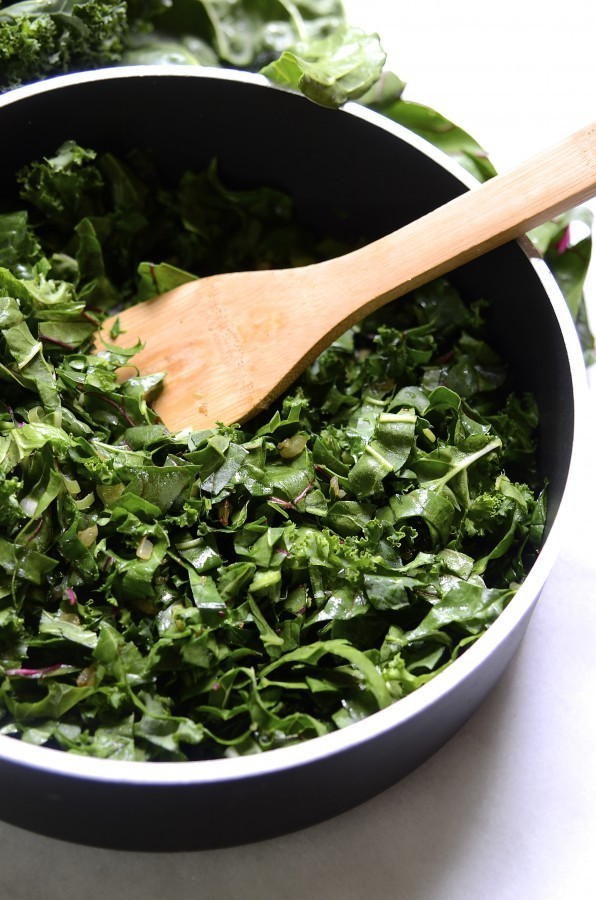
(507, 809)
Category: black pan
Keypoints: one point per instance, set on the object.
(352, 174)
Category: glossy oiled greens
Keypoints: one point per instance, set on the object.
(166, 596)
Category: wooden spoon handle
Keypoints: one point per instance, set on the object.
(499, 210)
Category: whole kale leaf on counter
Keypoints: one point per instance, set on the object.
(173, 596)
(51, 37)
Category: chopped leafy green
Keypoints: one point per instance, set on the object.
(174, 596)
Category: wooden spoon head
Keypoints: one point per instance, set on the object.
(228, 345)
(231, 343)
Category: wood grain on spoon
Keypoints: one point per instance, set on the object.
(232, 343)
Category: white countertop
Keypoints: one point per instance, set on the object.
(507, 809)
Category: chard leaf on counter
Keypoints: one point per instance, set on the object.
(386, 97)
(568, 256)
(239, 33)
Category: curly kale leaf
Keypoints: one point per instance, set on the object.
(39, 39)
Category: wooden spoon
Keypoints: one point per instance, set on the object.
(232, 343)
